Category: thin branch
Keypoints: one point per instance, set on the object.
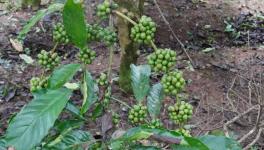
(227, 95)
(173, 33)
(111, 48)
(247, 135)
(54, 48)
(238, 117)
(121, 102)
(118, 13)
(254, 141)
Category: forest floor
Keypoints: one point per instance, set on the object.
(222, 82)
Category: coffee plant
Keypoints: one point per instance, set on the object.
(38, 124)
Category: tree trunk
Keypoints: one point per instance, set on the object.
(128, 47)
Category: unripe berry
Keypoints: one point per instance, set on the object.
(86, 55)
(173, 83)
(137, 114)
(143, 32)
(161, 60)
(180, 112)
(102, 80)
(38, 84)
(59, 34)
(48, 60)
(156, 123)
(184, 132)
(104, 9)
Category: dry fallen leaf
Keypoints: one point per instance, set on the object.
(17, 45)
(26, 58)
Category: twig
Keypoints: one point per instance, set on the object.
(153, 45)
(121, 102)
(173, 33)
(165, 139)
(54, 48)
(124, 17)
(111, 48)
(247, 135)
(254, 141)
(236, 118)
(227, 95)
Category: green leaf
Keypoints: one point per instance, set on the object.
(74, 140)
(144, 132)
(154, 100)
(74, 110)
(140, 81)
(64, 125)
(33, 122)
(2, 144)
(141, 147)
(62, 75)
(98, 111)
(196, 143)
(74, 22)
(116, 145)
(89, 92)
(220, 142)
(38, 16)
(184, 147)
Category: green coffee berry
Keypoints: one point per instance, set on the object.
(144, 31)
(38, 84)
(180, 112)
(162, 60)
(87, 55)
(184, 132)
(155, 123)
(104, 9)
(48, 60)
(59, 34)
(115, 118)
(108, 37)
(93, 32)
(102, 80)
(173, 82)
(137, 114)
(107, 96)
(97, 33)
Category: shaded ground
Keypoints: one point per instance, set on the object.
(209, 82)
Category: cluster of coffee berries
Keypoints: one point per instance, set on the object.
(137, 114)
(104, 9)
(108, 37)
(87, 55)
(93, 32)
(48, 60)
(115, 118)
(184, 132)
(155, 123)
(162, 60)
(173, 82)
(38, 84)
(144, 31)
(180, 112)
(102, 80)
(97, 33)
(59, 34)
(107, 97)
